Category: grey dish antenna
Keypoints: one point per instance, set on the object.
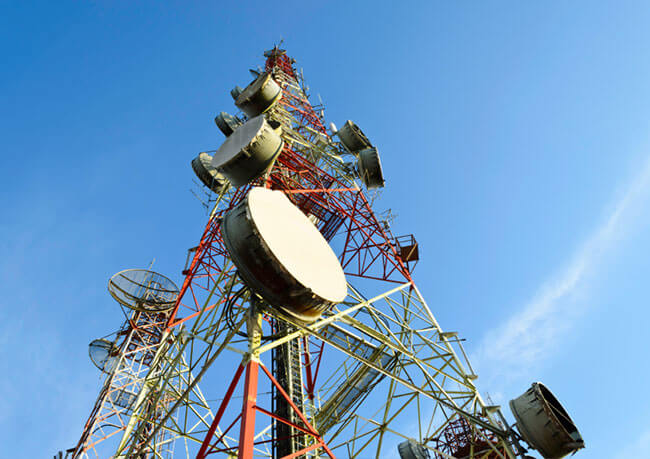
(249, 151)
(235, 92)
(411, 449)
(208, 175)
(259, 96)
(369, 167)
(143, 290)
(227, 123)
(352, 137)
(544, 423)
(368, 164)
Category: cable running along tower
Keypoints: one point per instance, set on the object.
(298, 317)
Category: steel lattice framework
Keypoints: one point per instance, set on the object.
(375, 370)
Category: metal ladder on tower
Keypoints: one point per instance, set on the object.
(288, 371)
(296, 393)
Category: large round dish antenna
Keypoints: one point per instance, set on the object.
(227, 123)
(352, 137)
(370, 168)
(282, 256)
(104, 354)
(249, 151)
(544, 423)
(209, 176)
(143, 290)
(259, 96)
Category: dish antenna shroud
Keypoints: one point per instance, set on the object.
(259, 96)
(544, 423)
(370, 169)
(209, 176)
(353, 137)
(143, 290)
(412, 450)
(227, 123)
(249, 151)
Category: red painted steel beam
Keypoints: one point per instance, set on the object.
(215, 422)
(247, 428)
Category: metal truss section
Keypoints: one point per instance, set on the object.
(372, 372)
(182, 415)
(141, 336)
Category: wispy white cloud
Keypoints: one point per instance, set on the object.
(638, 448)
(532, 332)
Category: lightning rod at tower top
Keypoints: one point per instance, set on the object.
(298, 329)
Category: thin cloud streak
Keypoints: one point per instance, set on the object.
(638, 448)
(531, 333)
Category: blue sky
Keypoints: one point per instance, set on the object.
(514, 137)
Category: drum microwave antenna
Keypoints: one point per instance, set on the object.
(300, 315)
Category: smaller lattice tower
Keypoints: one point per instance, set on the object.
(146, 299)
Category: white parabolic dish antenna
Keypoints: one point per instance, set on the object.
(282, 255)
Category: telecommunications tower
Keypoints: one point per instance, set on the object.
(298, 330)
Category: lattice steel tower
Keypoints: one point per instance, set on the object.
(298, 315)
